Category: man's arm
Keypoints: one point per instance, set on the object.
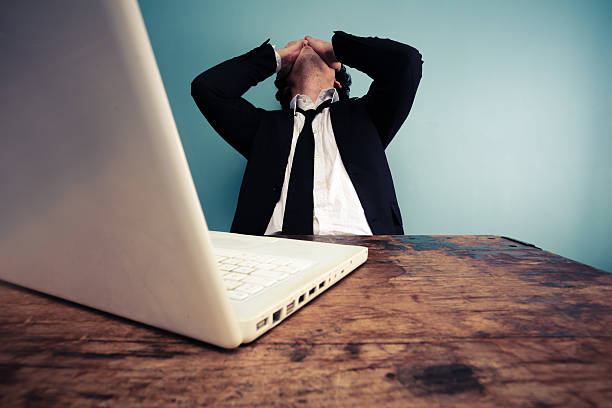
(396, 71)
(218, 91)
(394, 67)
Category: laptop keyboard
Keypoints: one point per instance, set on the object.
(246, 274)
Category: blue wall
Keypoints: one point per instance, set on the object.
(510, 133)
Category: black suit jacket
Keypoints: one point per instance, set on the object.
(363, 127)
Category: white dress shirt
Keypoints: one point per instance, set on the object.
(337, 209)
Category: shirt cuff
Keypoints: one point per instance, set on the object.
(278, 62)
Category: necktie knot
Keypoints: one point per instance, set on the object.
(311, 113)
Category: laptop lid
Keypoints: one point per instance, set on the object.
(97, 202)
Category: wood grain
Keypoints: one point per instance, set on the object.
(427, 321)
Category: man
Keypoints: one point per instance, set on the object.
(317, 166)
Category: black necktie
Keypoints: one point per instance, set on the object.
(299, 205)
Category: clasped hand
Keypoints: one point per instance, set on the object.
(291, 51)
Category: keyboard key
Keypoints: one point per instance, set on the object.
(235, 276)
(260, 280)
(232, 261)
(287, 269)
(250, 288)
(268, 266)
(244, 269)
(227, 267)
(231, 284)
(266, 273)
(236, 295)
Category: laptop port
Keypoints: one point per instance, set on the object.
(301, 299)
(276, 316)
(262, 323)
(321, 285)
(311, 291)
(290, 306)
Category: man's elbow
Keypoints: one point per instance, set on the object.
(408, 66)
(410, 57)
(198, 86)
(202, 89)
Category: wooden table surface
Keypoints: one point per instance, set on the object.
(427, 321)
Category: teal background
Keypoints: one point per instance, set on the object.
(510, 133)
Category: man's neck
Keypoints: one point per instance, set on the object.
(311, 87)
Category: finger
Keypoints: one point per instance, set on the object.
(313, 40)
(294, 43)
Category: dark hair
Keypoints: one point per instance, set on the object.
(283, 95)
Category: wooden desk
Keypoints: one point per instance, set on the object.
(427, 321)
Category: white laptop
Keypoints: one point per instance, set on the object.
(97, 204)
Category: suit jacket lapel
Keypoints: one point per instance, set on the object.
(287, 130)
(339, 115)
(281, 146)
(340, 120)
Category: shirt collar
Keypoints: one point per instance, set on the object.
(303, 101)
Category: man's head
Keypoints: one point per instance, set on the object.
(310, 70)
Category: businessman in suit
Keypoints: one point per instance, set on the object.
(317, 166)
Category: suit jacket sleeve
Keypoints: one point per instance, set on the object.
(218, 93)
(396, 71)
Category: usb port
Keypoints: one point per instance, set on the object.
(276, 315)
(262, 323)
(301, 299)
(311, 291)
(290, 306)
(321, 285)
